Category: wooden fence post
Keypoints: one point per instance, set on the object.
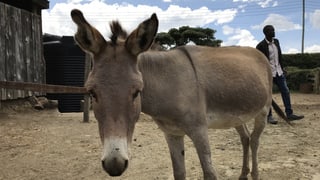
(87, 99)
(316, 84)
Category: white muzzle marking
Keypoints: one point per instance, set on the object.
(115, 147)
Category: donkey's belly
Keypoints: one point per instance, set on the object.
(227, 120)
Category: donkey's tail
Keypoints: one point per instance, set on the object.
(280, 112)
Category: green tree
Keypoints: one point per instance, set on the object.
(185, 34)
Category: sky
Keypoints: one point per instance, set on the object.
(237, 22)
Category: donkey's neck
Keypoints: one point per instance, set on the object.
(165, 74)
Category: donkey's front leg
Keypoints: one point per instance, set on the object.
(176, 147)
(199, 136)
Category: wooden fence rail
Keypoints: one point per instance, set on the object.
(43, 88)
(48, 88)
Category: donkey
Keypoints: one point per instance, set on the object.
(186, 91)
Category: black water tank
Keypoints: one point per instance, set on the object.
(65, 65)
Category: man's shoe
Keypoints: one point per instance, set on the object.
(294, 117)
(270, 120)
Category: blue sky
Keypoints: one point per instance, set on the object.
(238, 22)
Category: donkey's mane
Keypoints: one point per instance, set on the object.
(117, 32)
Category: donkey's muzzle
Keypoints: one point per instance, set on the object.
(115, 166)
(115, 156)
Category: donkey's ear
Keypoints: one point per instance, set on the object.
(88, 37)
(142, 37)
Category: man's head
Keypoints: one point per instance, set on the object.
(268, 31)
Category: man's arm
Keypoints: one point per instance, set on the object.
(262, 47)
(277, 43)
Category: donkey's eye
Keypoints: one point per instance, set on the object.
(93, 94)
(135, 94)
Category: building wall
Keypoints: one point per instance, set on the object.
(21, 51)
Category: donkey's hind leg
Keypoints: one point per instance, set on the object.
(245, 141)
(259, 125)
(176, 147)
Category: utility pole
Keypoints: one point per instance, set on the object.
(303, 25)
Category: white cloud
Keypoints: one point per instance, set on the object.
(238, 37)
(79, 1)
(275, 3)
(74, 1)
(292, 51)
(313, 49)
(223, 16)
(310, 49)
(261, 3)
(176, 16)
(268, 3)
(57, 20)
(280, 23)
(227, 30)
(315, 19)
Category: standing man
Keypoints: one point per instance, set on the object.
(270, 47)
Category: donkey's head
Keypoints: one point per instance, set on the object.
(115, 84)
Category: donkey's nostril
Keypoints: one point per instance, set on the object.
(115, 167)
(126, 162)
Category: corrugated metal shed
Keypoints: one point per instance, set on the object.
(65, 64)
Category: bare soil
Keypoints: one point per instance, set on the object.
(51, 145)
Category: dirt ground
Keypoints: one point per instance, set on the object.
(51, 145)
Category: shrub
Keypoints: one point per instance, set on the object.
(300, 68)
(296, 76)
(302, 61)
